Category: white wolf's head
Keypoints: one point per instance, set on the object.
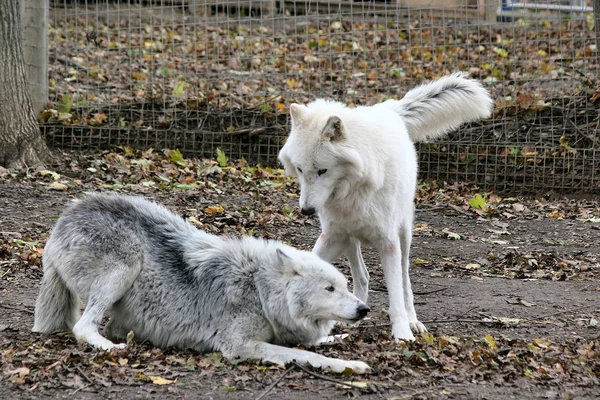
(317, 152)
(316, 290)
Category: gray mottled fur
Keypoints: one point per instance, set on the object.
(174, 285)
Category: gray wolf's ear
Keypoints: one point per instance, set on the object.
(297, 112)
(288, 265)
(333, 129)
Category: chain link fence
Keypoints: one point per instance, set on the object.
(201, 75)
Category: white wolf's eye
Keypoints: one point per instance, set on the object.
(321, 171)
(299, 170)
(330, 288)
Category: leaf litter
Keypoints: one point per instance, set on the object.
(236, 198)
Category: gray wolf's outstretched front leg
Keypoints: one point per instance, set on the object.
(282, 355)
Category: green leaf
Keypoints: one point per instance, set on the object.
(221, 158)
(179, 89)
(477, 202)
(215, 359)
(64, 104)
(229, 388)
(177, 158)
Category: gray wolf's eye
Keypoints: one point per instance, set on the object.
(299, 170)
(330, 288)
(321, 171)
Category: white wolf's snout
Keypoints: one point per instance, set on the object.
(361, 311)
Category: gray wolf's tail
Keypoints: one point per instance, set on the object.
(435, 108)
(56, 307)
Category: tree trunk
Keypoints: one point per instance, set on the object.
(21, 143)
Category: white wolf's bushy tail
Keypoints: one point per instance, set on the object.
(56, 307)
(435, 108)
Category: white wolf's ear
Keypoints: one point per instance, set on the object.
(289, 168)
(289, 267)
(333, 129)
(297, 112)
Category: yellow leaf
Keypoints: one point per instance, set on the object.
(542, 343)
(212, 210)
(57, 186)
(45, 172)
(293, 83)
(491, 342)
(428, 337)
(157, 380)
(358, 384)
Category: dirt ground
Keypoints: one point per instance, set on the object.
(510, 294)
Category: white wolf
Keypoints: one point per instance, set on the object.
(357, 169)
(175, 285)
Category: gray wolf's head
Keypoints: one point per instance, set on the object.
(316, 290)
(318, 153)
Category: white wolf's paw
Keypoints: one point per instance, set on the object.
(402, 332)
(331, 339)
(417, 327)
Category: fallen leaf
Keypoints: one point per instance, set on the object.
(358, 384)
(58, 186)
(212, 210)
(491, 342)
(157, 380)
(45, 172)
(478, 202)
(450, 234)
(221, 158)
(22, 372)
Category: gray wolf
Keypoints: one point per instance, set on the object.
(174, 285)
(357, 169)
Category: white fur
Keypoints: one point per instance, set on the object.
(358, 169)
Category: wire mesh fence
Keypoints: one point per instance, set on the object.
(198, 75)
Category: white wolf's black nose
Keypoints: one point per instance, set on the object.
(308, 211)
(362, 310)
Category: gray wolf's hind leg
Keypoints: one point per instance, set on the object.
(105, 290)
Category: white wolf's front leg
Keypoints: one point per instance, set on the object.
(405, 240)
(360, 275)
(330, 248)
(283, 355)
(391, 261)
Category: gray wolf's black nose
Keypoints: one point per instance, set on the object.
(308, 211)
(363, 310)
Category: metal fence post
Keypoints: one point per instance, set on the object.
(34, 22)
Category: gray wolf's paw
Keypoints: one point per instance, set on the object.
(339, 366)
(358, 367)
(402, 331)
(108, 345)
